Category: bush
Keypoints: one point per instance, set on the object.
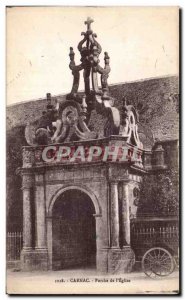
(159, 194)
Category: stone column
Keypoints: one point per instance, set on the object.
(41, 251)
(40, 212)
(125, 214)
(27, 251)
(49, 241)
(114, 211)
(27, 218)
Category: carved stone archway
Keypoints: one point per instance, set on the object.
(81, 188)
(87, 192)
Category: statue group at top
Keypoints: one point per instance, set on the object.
(68, 120)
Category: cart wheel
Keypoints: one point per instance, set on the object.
(157, 262)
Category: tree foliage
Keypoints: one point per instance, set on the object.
(15, 141)
(159, 194)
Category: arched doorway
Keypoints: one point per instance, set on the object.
(73, 231)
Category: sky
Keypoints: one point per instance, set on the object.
(142, 42)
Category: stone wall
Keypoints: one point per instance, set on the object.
(155, 99)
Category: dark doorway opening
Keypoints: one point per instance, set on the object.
(74, 231)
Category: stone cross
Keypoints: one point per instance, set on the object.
(88, 23)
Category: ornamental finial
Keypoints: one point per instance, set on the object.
(88, 23)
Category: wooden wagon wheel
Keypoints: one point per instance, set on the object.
(157, 262)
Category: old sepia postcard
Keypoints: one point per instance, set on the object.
(92, 150)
